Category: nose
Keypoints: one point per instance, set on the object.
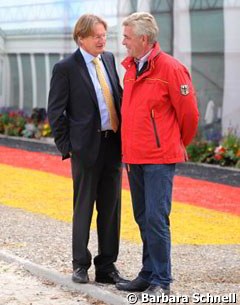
(101, 38)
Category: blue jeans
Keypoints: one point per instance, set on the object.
(151, 191)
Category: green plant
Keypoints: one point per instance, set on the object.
(17, 123)
(224, 153)
(12, 123)
(45, 129)
(200, 150)
(229, 154)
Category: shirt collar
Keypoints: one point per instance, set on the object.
(87, 56)
(144, 58)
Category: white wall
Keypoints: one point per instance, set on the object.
(231, 98)
(182, 32)
(2, 51)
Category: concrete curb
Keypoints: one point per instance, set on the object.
(64, 280)
(42, 145)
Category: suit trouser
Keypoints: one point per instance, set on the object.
(100, 183)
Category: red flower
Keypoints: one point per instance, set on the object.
(218, 157)
(220, 150)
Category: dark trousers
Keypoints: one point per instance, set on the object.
(100, 183)
(151, 191)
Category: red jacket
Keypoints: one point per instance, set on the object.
(159, 111)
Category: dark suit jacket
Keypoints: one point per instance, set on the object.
(73, 110)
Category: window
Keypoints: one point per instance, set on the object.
(208, 58)
(41, 80)
(14, 81)
(27, 81)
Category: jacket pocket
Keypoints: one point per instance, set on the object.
(155, 129)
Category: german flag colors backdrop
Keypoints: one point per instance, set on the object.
(202, 212)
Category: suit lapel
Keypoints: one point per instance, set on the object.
(85, 76)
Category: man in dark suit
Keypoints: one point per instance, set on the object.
(84, 114)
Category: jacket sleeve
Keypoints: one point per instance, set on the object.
(183, 98)
(57, 104)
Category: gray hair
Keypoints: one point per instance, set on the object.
(143, 24)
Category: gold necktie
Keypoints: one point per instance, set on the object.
(107, 95)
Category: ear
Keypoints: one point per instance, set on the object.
(79, 41)
(145, 39)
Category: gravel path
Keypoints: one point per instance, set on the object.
(45, 241)
(19, 287)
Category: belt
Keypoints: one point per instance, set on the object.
(107, 133)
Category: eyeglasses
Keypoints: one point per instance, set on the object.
(99, 37)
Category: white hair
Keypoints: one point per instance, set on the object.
(143, 24)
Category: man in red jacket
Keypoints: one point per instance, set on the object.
(159, 119)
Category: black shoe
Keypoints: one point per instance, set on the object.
(157, 290)
(80, 275)
(111, 277)
(137, 285)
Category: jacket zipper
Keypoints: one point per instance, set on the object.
(155, 129)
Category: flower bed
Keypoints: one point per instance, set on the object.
(21, 124)
(224, 153)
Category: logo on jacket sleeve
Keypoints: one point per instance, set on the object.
(184, 89)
